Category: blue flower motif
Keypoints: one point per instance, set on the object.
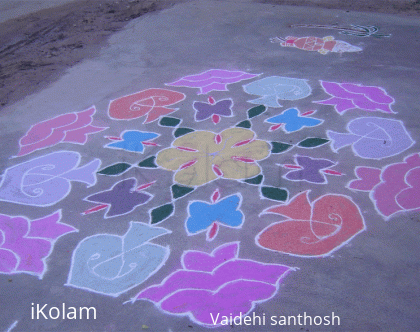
(133, 141)
(202, 214)
(293, 121)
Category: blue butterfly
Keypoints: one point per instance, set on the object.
(133, 141)
(203, 215)
(293, 121)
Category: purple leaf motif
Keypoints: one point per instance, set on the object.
(346, 96)
(216, 283)
(213, 79)
(25, 245)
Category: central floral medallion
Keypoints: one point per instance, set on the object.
(203, 156)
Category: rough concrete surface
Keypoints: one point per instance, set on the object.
(69, 57)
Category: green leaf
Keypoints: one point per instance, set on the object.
(148, 163)
(278, 147)
(115, 169)
(255, 111)
(168, 121)
(244, 124)
(161, 213)
(255, 180)
(182, 131)
(274, 193)
(179, 191)
(313, 142)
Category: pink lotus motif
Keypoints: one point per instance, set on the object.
(347, 96)
(25, 245)
(394, 188)
(216, 283)
(69, 128)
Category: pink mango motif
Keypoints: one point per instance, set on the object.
(150, 102)
(214, 283)
(394, 188)
(312, 229)
(347, 96)
(25, 245)
(69, 128)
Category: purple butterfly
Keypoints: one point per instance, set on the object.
(213, 109)
(310, 170)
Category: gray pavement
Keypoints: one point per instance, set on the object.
(367, 274)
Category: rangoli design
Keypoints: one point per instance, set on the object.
(111, 264)
(312, 229)
(246, 148)
(321, 45)
(66, 128)
(392, 189)
(219, 282)
(26, 244)
(274, 88)
(347, 96)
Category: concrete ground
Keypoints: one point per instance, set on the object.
(69, 57)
